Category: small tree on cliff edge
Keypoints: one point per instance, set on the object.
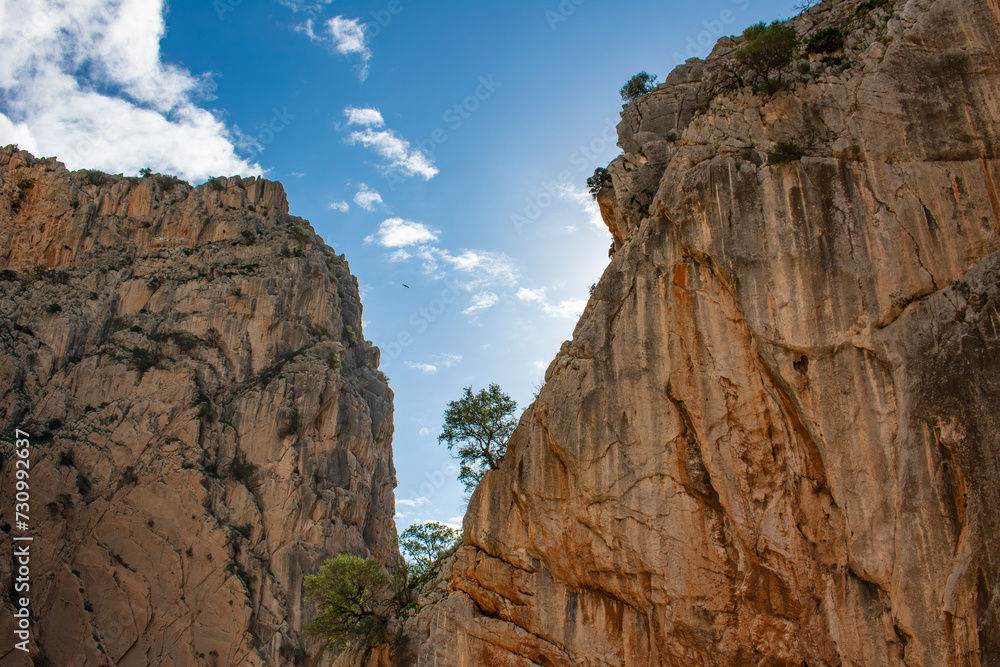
(639, 85)
(480, 424)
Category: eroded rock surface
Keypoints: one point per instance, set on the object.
(774, 438)
(208, 420)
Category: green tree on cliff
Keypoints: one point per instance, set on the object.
(479, 425)
(424, 544)
(639, 85)
(767, 50)
(349, 594)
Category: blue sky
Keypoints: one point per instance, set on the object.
(440, 145)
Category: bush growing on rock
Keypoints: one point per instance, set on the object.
(601, 180)
(826, 40)
(639, 85)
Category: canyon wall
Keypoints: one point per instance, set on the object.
(774, 437)
(207, 421)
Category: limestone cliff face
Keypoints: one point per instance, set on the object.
(775, 436)
(208, 420)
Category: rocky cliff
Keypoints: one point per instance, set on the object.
(207, 420)
(774, 437)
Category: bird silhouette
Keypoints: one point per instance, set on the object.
(406, 286)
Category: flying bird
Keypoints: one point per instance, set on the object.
(406, 286)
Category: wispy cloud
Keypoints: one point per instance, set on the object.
(341, 206)
(367, 198)
(423, 368)
(367, 117)
(578, 195)
(345, 36)
(305, 5)
(424, 431)
(413, 502)
(399, 233)
(480, 302)
(87, 83)
(398, 152)
(570, 308)
(446, 359)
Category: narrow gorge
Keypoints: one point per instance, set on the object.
(773, 439)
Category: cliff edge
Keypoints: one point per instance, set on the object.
(207, 421)
(774, 437)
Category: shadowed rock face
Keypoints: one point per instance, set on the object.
(208, 421)
(774, 438)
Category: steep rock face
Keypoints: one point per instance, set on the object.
(207, 419)
(774, 438)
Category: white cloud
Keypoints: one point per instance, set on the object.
(575, 193)
(412, 502)
(570, 308)
(423, 368)
(455, 522)
(399, 233)
(367, 198)
(399, 256)
(345, 36)
(298, 174)
(85, 81)
(540, 365)
(305, 5)
(446, 359)
(424, 431)
(398, 152)
(480, 302)
(367, 117)
(341, 206)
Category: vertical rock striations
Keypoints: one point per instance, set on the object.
(207, 419)
(774, 438)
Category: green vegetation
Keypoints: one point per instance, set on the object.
(300, 232)
(785, 151)
(826, 40)
(349, 596)
(767, 50)
(95, 177)
(480, 425)
(240, 469)
(426, 544)
(291, 425)
(639, 85)
(350, 334)
(871, 5)
(143, 360)
(600, 181)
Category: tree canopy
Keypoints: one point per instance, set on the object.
(347, 592)
(479, 425)
(767, 49)
(424, 543)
